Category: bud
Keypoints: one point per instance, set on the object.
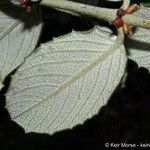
(127, 29)
(118, 22)
(132, 8)
(121, 12)
(24, 2)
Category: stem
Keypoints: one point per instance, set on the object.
(125, 4)
(137, 21)
(97, 12)
(84, 9)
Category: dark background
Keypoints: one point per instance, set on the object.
(125, 118)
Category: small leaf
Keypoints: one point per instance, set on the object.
(19, 33)
(66, 81)
(139, 44)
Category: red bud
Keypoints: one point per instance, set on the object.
(24, 2)
(118, 22)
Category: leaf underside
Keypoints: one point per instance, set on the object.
(66, 81)
(19, 33)
(139, 44)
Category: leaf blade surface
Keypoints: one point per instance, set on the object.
(139, 44)
(19, 33)
(66, 81)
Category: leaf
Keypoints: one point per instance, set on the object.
(19, 33)
(66, 81)
(139, 44)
